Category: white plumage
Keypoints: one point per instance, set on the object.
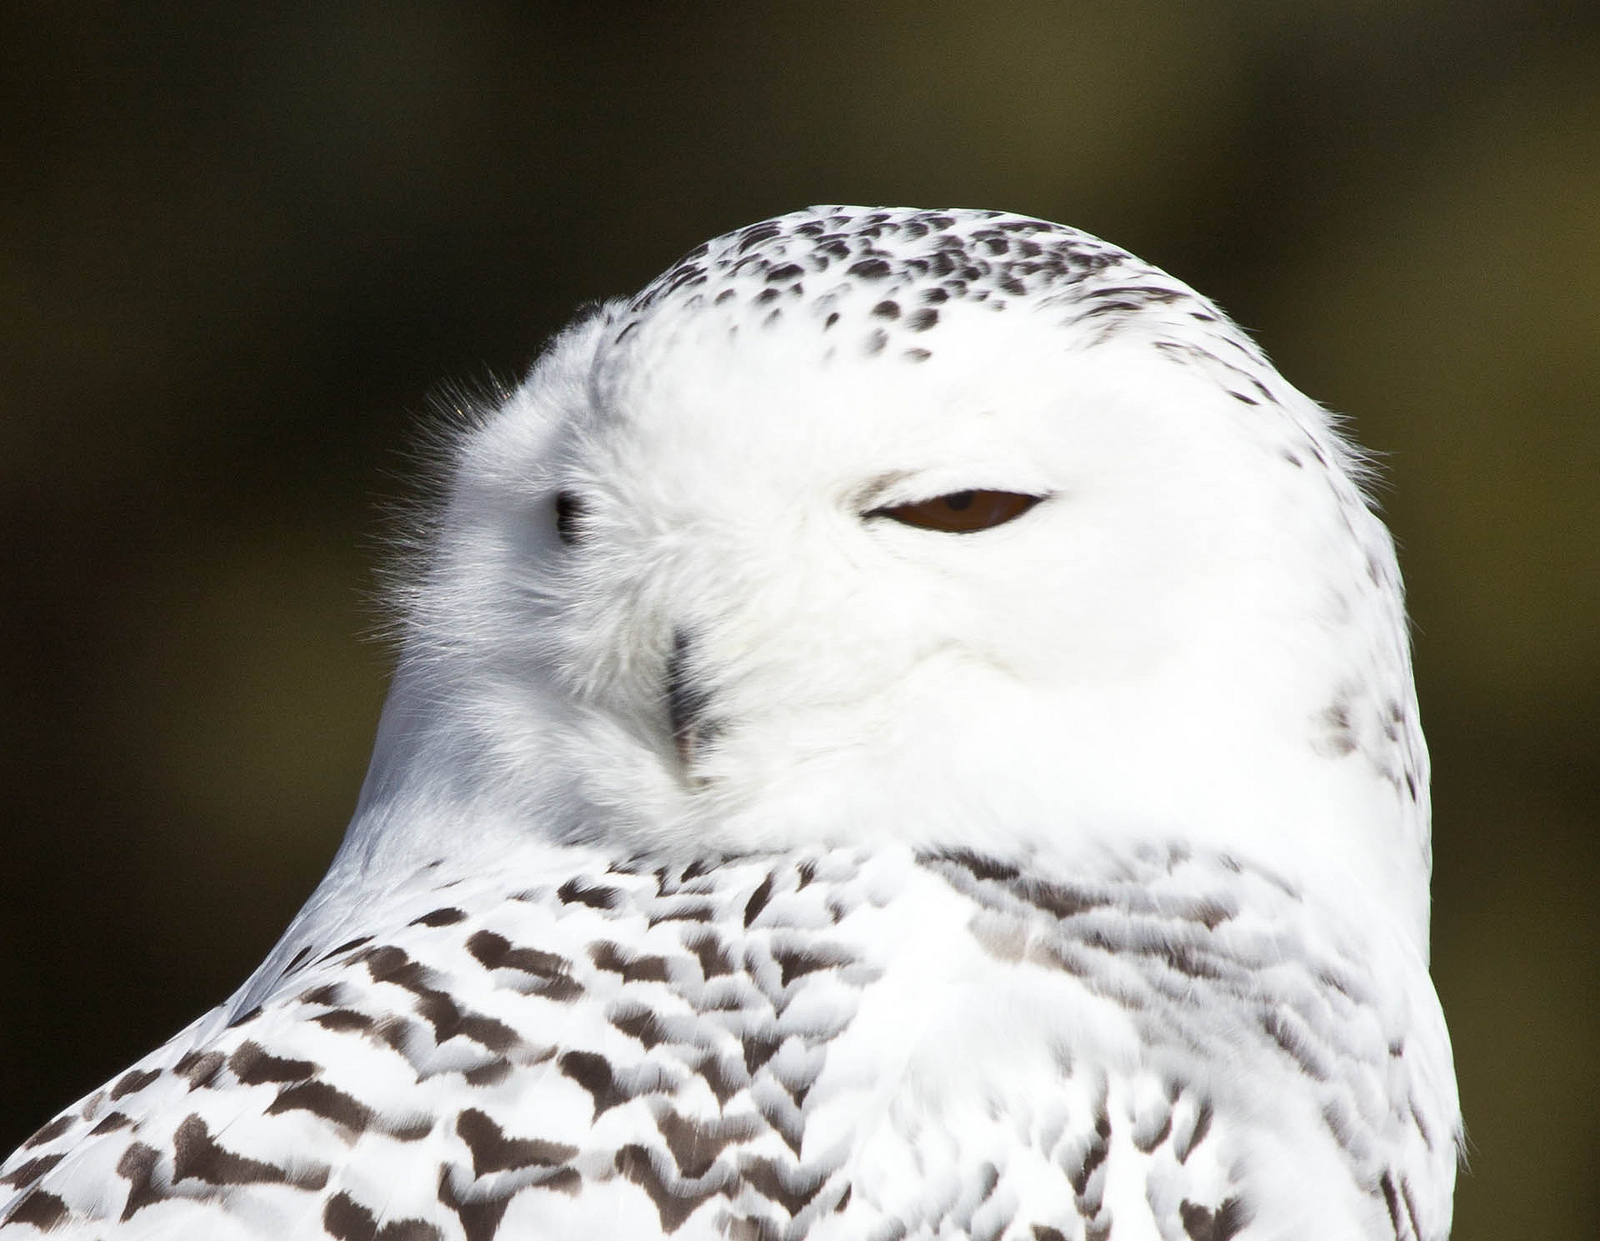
(904, 729)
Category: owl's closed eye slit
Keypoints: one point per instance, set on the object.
(960, 512)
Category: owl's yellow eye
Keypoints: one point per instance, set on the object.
(961, 512)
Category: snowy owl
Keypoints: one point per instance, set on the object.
(903, 728)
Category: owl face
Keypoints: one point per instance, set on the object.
(746, 577)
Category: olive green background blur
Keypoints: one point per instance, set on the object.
(242, 253)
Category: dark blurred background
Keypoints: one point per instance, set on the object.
(241, 250)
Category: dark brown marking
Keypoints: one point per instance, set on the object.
(133, 1081)
(195, 1154)
(725, 1077)
(766, 1177)
(25, 1174)
(324, 1100)
(796, 963)
(347, 946)
(1157, 1137)
(1059, 899)
(44, 1211)
(491, 1073)
(252, 1066)
(714, 961)
(684, 913)
(1286, 1037)
(50, 1132)
(758, 901)
(552, 970)
(981, 867)
(1190, 960)
(111, 1122)
(1099, 1148)
(492, 1151)
(1218, 1225)
(758, 1050)
(1391, 1200)
(595, 895)
(613, 959)
(1209, 913)
(391, 964)
(869, 269)
(345, 1219)
(639, 1022)
(1202, 1126)
(593, 1073)
(136, 1166)
(752, 1228)
(342, 1020)
(439, 917)
(480, 1219)
(1411, 1206)
(487, 1032)
(200, 1068)
(634, 1163)
(695, 1145)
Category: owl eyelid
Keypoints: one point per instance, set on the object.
(960, 512)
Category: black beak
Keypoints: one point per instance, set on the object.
(686, 700)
